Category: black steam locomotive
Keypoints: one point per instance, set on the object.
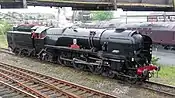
(113, 53)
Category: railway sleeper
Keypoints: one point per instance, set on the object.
(79, 90)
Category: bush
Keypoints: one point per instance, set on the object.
(154, 60)
(4, 27)
(102, 15)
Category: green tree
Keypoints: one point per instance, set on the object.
(102, 15)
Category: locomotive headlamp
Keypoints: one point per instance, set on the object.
(136, 66)
(74, 41)
(132, 59)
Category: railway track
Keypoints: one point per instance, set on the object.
(5, 50)
(44, 86)
(8, 91)
(161, 88)
(156, 87)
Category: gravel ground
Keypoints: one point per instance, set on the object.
(83, 78)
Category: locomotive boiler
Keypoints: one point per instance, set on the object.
(112, 53)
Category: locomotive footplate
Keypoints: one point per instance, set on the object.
(70, 49)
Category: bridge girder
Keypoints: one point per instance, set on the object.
(128, 5)
(174, 5)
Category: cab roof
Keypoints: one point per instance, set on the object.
(40, 29)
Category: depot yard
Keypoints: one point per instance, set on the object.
(87, 79)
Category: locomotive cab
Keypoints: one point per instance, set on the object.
(39, 32)
(38, 37)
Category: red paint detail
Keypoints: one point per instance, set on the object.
(42, 36)
(75, 46)
(33, 34)
(148, 68)
(37, 36)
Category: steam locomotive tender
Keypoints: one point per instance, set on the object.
(118, 52)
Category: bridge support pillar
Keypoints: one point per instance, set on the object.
(115, 4)
(24, 3)
(173, 5)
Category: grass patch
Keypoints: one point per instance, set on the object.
(3, 41)
(166, 75)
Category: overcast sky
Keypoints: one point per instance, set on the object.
(32, 9)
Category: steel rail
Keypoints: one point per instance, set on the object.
(83, 91)
(5, 50)
(26, 77)
(16, 83)
(158, 87)
(15, 90)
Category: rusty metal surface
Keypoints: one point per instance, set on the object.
(45, 86)
(9, 91)
(129, 5)
(162, 2)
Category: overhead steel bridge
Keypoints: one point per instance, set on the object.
(127, 5)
